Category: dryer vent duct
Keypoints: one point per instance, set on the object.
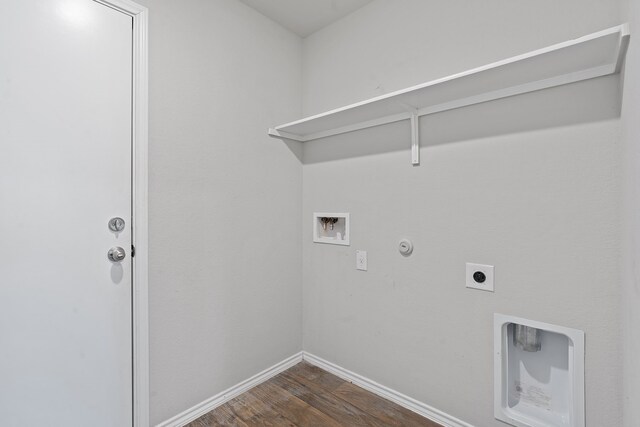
(527, 338)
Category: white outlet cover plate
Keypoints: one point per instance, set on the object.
(361, 260)
(487, 285)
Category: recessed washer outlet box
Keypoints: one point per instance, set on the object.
(331, 228)
(538, 373)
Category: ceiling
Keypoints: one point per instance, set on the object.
(305, 17)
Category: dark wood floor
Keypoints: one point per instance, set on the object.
(306, 396)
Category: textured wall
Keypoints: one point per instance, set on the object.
(529, 184)
(631, 231)
(225, 199)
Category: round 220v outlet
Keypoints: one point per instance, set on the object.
(479, 276)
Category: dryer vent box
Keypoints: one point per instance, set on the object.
(539, 373)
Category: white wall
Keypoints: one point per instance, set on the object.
(631, 230)
(529, 184)
(225, 200)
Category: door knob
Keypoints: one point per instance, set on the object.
(116, 254)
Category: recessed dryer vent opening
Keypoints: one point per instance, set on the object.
(539, 373)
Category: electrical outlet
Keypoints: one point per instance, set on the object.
(480, 276)
(361, 260)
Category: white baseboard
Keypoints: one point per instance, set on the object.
(210, 404)
(405, 401)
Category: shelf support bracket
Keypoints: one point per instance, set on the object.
(415, 131)
(415, 139)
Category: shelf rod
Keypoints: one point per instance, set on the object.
(569, 78)
(495, 95)
(412, 114)
(275, 133)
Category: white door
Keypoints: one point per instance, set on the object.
(65, 170)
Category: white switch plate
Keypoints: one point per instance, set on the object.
(361, 260)
(487, 270)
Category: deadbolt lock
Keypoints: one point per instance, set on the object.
(116, 224)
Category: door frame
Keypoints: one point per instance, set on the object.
(140, 232)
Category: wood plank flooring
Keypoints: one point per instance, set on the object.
(307, 396)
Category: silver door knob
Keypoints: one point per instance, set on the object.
(116, 254)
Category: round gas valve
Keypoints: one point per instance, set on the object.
(405, 247)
